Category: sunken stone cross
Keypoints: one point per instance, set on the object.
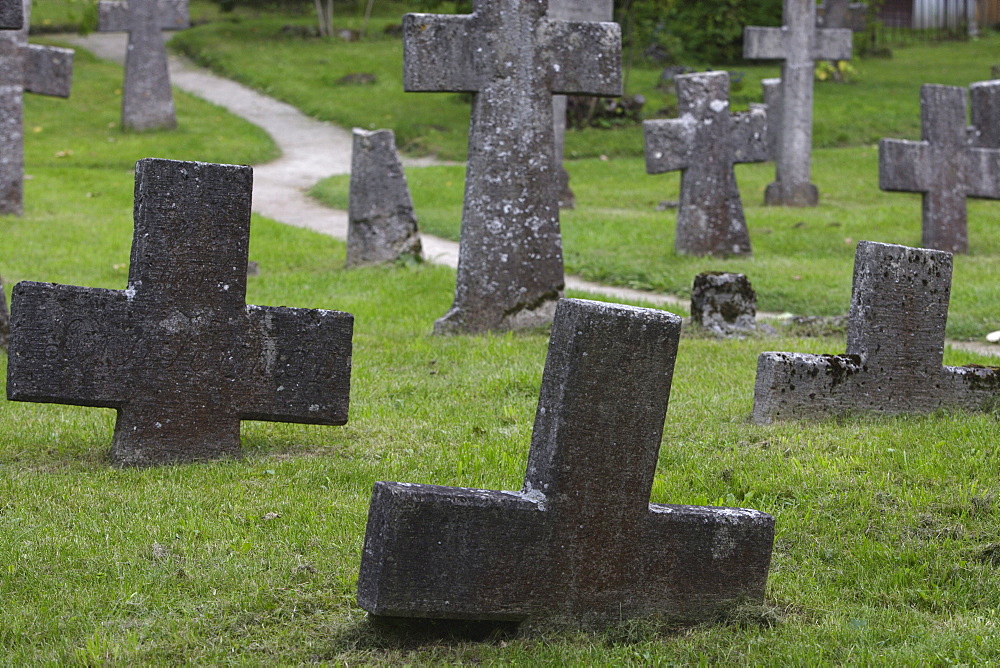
(945, 166)
(895, 345)
(705, 143)
(580, 542)
(798, 44)
(178, 353)
(513, 58)
(147, 100)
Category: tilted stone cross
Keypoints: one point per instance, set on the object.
(580, 542)
(178, 353)
(945, 167)
(799, 44)
(895, 345)
(705, 142)
(44, 70)
(513, 58)
(985, 97)
(147, 100)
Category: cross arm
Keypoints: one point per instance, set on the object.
(48, 70)
(585, 56)
(764, 43)
(113, 15)
(904, 166)
(750, 139)
(983, 173)
(833, 44)
(669, 143)
(439, 53)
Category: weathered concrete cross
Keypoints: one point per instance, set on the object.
(895, 344)
(799, 44)
(147, 100)
(985, 113)
(581, 541)
(705, 142)
(178, 353)
(945, 166)
(510, 268)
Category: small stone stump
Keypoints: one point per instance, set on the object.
(580, 543)
(724, 303)
(381, 225)
(895, 345)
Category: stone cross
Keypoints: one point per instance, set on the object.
(944, 166)
(986, 113)
(799, 44)
(513, 58)
(147, 100)
(705, 143)
(895, 345)
(44, 70)
(178, 354)
(580, 542)
(11, 15)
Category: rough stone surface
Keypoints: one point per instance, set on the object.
(179, 354)
(724, 303)
(580, 543)
(895, 344)
(842, 14)
(11, 15)
(513, 58)
(798, 44)
(705, 143)
(147, 99)
(44, 70)
(985, 97)
(4, 318)
(945, 167)
(771, 89)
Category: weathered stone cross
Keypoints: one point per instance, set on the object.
(799, 44)
(147, 100)
(581, 541)
(945, 166)
(510, 268)
(895, 344)
(705, 142)
(178, 353)
(985, 113)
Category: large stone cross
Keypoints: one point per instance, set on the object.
(705, 142)
(985, 113)
(895, 345)
(580, 542)
(147, 100)
(799, 44)
(178, 353)
(44, 70)
(513, 58)
(945, 166)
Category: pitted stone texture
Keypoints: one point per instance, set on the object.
(724, 303)
(580, 543)
(147, 99)
(944, 166)
(842, 14)
(381, 225)
(507, 52)
(705, 143)
(985, 113)
(178, 354)
(895, 344)
(44, 70)
(799, 44)
(11, 15)
(4, 318)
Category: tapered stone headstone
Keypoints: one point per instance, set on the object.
(147, 100)
(11, 15)
(798, 44)
(705, 143)
(895, 344)
(513, 58)
(944, 166)
(178, 354)
(985, 97)
(580, 543)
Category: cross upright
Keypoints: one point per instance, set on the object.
(178, 354)
(44, 70)
(513, 58)
(944, 166)
(895, 347)
(985, 113)
(580, 542)
(798, 44)
(705, 142)
(147, 100)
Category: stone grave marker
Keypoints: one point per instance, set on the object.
(4, 318)
(580, 543)
(381, 225)
(11, 15)
(895, 345)
(147, 100)
(842, 14)
(798, 44)
(985, 97)
(771, 89)
(944, 166)
(178, 354)
(724, 303)
(705, 143)
(44, 70)
(513, 59)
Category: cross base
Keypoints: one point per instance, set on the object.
(796, 194)
(461, 320)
